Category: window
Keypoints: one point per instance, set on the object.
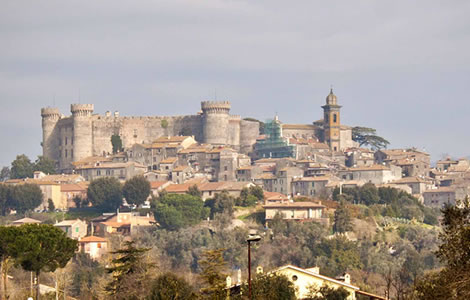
(98, 246)
(294, 278)
(66, 140)
(98, 172)
(335, 118)
(66, 152)
(71, 153)
(72, 140)
(225, 168)
(76, 229)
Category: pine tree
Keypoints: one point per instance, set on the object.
(130, 273)
(212, 274)
(342, 219)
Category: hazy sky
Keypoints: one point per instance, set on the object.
(402, 67)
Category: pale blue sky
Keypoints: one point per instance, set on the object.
(402, 67)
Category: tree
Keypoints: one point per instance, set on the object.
(342, 219)
(168, 286)
(194, 191)
(116, 142)
(369, 194)
(136, 190)
(105, 193)
(221, 203)
(42, 248)
(130, 273)
(453, 281)
(213, 274)
(45, 165)
(367, 137)
(271, 286)
(86, 273)
(21, 167)
(50, 205)
(25, 197)
(6, 203)
(4, 174)
(327, 293)
(164, 124)
(175, 211)
(7, 239)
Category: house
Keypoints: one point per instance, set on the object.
(301, 211)
(122, 222)
(273, 197)
(25, 221)
(376, 174)
(180, 174)
(70, 191)
(359, 157)
(281, 181)
(417, 184)
(49, 189)
(58, 178)
(94, 246)
(157, 186)
(439, 197)
(310, 186)
(74, 229)
(412, 161)
(304, 278)
(119, 170)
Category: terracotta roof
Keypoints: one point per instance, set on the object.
(93, 239)
(274, 196)
(26, 221)
(414, 179)
(178, 188)
(180, 168)
(111, 165)
(74, 187)
(313, 178)
(172, 139)
(157, 184)
(294, 205)
(370, 168)
(68, 222)
(443, 189)
(169, 160)
(115, 224)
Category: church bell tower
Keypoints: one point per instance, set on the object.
(331, 122)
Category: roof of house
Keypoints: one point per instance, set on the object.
(169, 160)
(74, 187)
(370, 168)
(314, 178)
(115, 224)
(414, 179)
(274, 196)
(157, 184)
(93, 239)
(300, 204)
(26, 221)
(172, 139)
(68, 222)
(442, 189)
(318, 276)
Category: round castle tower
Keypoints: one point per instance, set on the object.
(215, 122)
(82, 131)
(50, 139)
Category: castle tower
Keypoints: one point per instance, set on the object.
(215, 122)
(331, 122)
(82, 143)
(50, 132)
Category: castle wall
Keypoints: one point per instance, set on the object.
(140, 130)
(234, 132)
(50, 133)
(249, 132)
(65, 142)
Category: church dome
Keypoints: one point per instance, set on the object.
(331, 98)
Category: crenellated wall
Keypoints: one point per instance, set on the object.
(83, 134)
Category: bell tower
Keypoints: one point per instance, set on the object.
(331, 122)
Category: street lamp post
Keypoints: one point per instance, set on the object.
(253, 237)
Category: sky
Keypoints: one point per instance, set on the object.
(401, 67)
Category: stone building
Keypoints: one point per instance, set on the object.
(85, 134)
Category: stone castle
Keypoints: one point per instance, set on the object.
(84, 134)
(67, 139)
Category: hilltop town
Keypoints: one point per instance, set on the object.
(212, 175)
